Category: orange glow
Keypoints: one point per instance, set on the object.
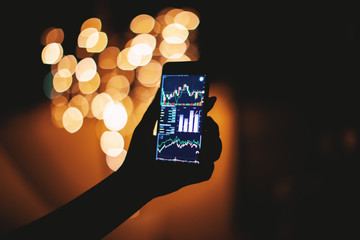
(92, 23)
(108, 58)
(150, 74)
(84, 39)
(175, 33)
(67, 65)
(169, 50)
(139, 55)
(100, 39)
(123, 61)
(142, 24)
(115, 163)
(187, 19)
(105, 88)
(90, 86)
(112, 143)
(52, 35)
(61, 84)
(98, 103)
(115, 116)
(118, 87)
(85, 70)
(52, 53)
(170, 15)
(57, 113)
(146, 39)
(80, 103)
(72, 119)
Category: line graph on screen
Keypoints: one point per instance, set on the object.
(177, 143)
(183, 96)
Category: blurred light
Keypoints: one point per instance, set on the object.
(187, 19)
(67, 65)
(150, 75)
(52, 53)
(80, 103)
(142, 24)
(112, 143)
(118, 87)
(60, 101)
(91, 23)
(48, 87)
(98, 103)
(115, 163)
(170, 50)
(90, 86)
(123, 61)
(145, 39)
(106, 89)
(140, 54)
(57, 113)
(108, 58)
(61, 84)
(52, 35)
(100, 39)
(155, 128)
(183, 58)
(170, 15)
(129, 105)
(85, 70)
(84, 39)
(115, 116)
(175, 33)
(72, 119)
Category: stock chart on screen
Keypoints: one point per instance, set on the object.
(179, 136)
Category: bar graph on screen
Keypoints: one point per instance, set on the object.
(189, 124)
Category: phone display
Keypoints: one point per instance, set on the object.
(181, 114)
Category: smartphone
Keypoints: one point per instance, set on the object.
(184, 91)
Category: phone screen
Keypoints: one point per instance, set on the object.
(179, 128)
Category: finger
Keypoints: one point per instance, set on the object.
(209, 104)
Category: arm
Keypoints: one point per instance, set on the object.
(101, 209)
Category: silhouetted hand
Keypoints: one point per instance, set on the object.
(105, 206)
(165, 177)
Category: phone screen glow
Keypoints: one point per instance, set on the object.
(179, 130)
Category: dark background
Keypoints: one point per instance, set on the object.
(294, 72)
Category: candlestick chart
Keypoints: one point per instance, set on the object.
(180, 93)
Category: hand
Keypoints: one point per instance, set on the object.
(161, 177)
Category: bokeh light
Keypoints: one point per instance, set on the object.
(112, 143)
(60, 83)
(52, 53)
(85, 70)
(90, 86)
(113, 77)
(142, 23)
(175, 33)
(115, 163)
(187, 19)
(115, 116)
(72, 119)
(108, 58)
(67, 65)
(52, 35)
(98, 104)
